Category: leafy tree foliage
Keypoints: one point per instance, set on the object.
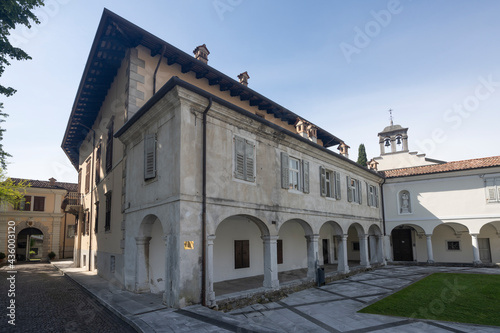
(11, 192)
(362, 160)
(12, 14)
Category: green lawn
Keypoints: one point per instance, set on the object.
(466, 298)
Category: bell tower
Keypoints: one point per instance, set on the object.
(393, 139)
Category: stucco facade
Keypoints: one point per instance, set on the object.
(40, 223)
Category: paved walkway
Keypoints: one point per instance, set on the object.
(330, 308)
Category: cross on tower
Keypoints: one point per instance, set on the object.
(390, 111)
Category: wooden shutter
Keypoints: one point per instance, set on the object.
(305, 176)
(337, 184)
(150, 156)
(285, 183)
(349, 189)
(376, 196)
(239, 158)
(368, 196)
(39, 204)
(87, 178)
(491, 190)
(360, 194)
(98, 165)
(249, 161)
(322, 181)
(109, 148)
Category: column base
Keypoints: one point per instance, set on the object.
(430, 261)
(477, 262)
(274, 285)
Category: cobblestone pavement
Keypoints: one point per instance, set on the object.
(47, 301)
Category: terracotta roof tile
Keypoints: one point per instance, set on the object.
(71, 187)
(477, 163)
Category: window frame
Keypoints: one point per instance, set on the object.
(453, 249)
(243, 260)
(107, 224)
(354, 190)
(492, 189)
(302, 177)
(332, 184)
(38, 204)
(372, 195)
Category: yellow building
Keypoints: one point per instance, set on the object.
(41, 223)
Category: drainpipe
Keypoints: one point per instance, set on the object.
(164, 48)
(382, 204)
(204, 205)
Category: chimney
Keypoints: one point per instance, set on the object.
(372, 164)
(244, 78)
(312, 133)
(344, 149)
(201, 53)
(52, 181)
(301, 127)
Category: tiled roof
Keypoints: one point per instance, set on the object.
(477, 163)
(71, 187)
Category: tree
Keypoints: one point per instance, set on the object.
(13, 13)
(11, 192)
(362, 160)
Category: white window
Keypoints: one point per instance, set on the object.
(294, 173)
(244, 159)
(353, 190)
(492, 189)
(372, 194)
(329, 183)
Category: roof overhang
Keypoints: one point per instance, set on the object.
(114, 37)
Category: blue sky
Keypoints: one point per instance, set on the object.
(340, 64)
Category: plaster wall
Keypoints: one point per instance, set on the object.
(294, 246)
(400, 160)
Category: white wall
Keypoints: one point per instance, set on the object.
(157, 259)
(294, 246)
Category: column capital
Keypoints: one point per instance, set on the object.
(269, 238)
(344, 237)
(312, 238)
(210, 239)
(142, 240)
(428, 235)
(474, 235)
(364, 237)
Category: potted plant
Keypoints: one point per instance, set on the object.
(52, 255)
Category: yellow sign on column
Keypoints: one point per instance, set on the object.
(189, 245)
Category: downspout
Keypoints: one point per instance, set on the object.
(382, 204)
(204, 205)
(91, 197)
(64, 233)
(164, 48)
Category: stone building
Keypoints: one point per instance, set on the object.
(41, 223)
(435, 211)
(190, 178)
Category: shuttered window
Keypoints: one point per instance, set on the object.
(329, 183)
(24, 204)
(279, 252)
(39, 204)
(87, 177)
(241, 254)
(96, 223)
(98, 164)
(294, 173)
(353, 190)
(492, 189)
(372, 195)
(244, 159)
(109, 148)
(150, 156)
(107, 224)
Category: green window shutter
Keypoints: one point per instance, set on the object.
(284, 171)
(305, 172)
(360, 195)
(249, 161)
(337, 185)
(239, 157)
(376, 196)
(149, 156)
(322, 181)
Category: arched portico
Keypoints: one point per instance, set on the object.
(489, 242)
(454, 243)
(30, 245)
(376, 245)
(357, 245)
(297, 247)
(403, 242)
(242, 247)
(333, 246)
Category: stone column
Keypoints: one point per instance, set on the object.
(393, 144)
(270, 262)
(312, 255)
(343, 265)
(210, 297)
(380, 250)
(372, 244)
(430, 254)
(363, 251)
(475, 249)
(142, 264)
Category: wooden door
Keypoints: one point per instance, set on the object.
(402, 245)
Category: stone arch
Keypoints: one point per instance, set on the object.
(294, 236)
(403, 238)
(489, 242)
(453, 242)
(47, 237)
(30, 240)
(376, 245)
(330, 246)
(150, 267)
(357, 244)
